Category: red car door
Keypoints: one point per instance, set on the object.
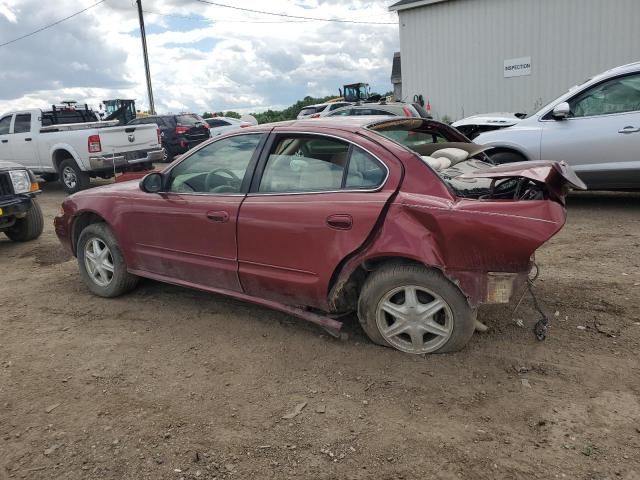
(187, 234)
(317, 200)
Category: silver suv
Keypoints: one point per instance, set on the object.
(594, 127)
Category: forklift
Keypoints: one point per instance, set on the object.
(119, 109)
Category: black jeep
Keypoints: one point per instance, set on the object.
(20, 215)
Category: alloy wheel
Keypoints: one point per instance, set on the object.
(69, 177)
(414, 319)
(99, 261)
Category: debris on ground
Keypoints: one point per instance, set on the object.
(296, 411)
(51, 408)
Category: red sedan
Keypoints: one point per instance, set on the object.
(402, 220)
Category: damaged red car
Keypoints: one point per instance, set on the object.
(403, 221)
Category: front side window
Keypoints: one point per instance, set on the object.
(22, 123)
(618, 95)
(318, 164)
(5, 122)
(218, 168)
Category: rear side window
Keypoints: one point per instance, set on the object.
(311, 110)
(364, 170)
(335, 106)
(318, 164)
(217, 123)
(22, 123)
(5, 122)
(372, 111)
(342, 113)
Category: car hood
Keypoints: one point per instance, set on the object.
(4, 166)
(498, 119)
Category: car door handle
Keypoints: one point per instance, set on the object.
(220, 217)
(27, 139)
(5, 141)
(340, 221)
(629, 129)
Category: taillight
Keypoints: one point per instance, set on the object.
(407, 112)
(159, 136)
(93, 144)
(315, 115)
(245, 125)
(180, 130)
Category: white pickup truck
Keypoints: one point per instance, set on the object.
(74, 145)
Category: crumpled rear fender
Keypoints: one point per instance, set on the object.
(465, 239)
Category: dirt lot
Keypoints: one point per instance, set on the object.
(172, 383)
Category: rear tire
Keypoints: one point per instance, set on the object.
(102, 266)
(72, 178)
(435, 318)
(29, 227)
(506, 157)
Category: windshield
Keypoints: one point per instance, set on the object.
(190, 119)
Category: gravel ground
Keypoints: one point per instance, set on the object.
(172, 383)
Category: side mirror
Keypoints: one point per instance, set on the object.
(152, 183)
(561, 111)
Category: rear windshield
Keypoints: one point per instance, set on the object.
(61, 117)
(312, 110)
(189, 119)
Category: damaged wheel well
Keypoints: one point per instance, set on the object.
(80, 223)
(344, 292)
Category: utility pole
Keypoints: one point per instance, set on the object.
(143, 36)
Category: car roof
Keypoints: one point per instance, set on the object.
(315, 105)
(350, 124)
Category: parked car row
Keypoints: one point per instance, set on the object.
(178, 133)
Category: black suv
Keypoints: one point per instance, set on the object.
(179, 132)
(20, 215)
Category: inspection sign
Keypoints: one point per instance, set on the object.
(517, 67)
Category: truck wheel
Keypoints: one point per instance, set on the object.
(102, 266)
(415, 310)
(73, 179)
(29, 227)
(506, 157)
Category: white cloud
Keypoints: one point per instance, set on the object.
(211, 60)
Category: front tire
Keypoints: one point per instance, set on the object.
(73, 179)
(29, 227)
(415, 310)
(102, 266)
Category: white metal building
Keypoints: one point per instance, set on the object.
(479, 56)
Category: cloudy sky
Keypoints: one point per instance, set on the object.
(203, 57)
